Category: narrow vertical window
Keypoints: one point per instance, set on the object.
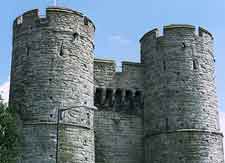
(167, 124)
(28, 50)
(183, 45)
(75, 36)
(61, 50)
(195, 64)
(85, 20)
(164, 65)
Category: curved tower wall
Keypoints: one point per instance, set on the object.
(52, 85)
(180, 104)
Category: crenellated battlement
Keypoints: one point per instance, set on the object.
(111, 64)
(180, 30)
(33, 15)
(56, 19)
(105, 74)
(176, 37)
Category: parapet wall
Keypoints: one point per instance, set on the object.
(116, 89)
(182, 35)
(56, 19)
(178, 30)
(119, 119)
(106, 75)
(104, 71)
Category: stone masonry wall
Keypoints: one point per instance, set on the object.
(163, 109)
(52, 86)
(180, 98)
(118, 122)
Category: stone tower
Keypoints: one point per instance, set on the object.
(52, 86)
(180, 104)
(163, 109)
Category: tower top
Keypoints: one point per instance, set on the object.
(32, 17)
(179, 29)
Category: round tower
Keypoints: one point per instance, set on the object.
(52, 85)
(180, 104)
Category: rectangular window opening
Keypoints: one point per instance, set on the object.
(195, 64)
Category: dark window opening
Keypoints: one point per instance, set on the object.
(88, 116)
(164, 65)
(167, 124)
(109, 96)
(137, 98)
(98, 96)
(85, 142)
(183, 45)
(60, 116)
(118, 96)
(85, 66)
(195, 64)
(28, 51)
(75, 36)
(88, 119)
(129, 98)
(85, 21)
(61, 50)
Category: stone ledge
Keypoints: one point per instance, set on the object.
(104, 61)
(185, 130)
(131, 63)
(55, 124)
(174, 26)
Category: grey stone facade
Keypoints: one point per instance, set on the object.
(52, 86)
(161, 110)
(180, 109)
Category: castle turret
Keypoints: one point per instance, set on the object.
(52, 86)
(180, 105)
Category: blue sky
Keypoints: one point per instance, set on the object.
(121, 23)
